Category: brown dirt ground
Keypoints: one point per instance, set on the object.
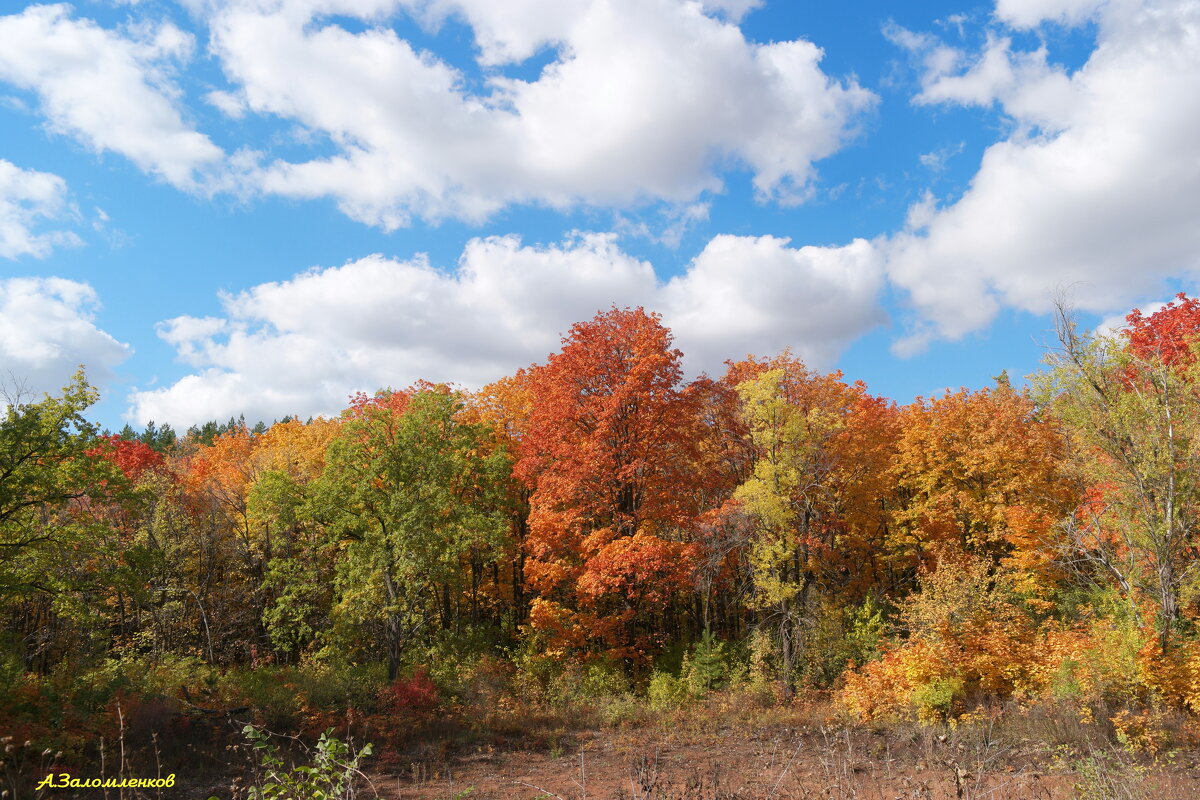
(726, 764)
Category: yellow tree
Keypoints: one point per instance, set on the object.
(505, 406)
(794, 418)
(299, 562)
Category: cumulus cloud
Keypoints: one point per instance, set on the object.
(28, 198)
(645, 99)
(47, 329)
(301, 346)
(111, 90)
(1097, 189)
(757, 295)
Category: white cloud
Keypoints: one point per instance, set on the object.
(756, 295)
(110, 90)
(1030, 90)
(1115, 323)
(935, 160)
(28, 197)
(645, 100)
(1031, 13)
(733, 9)
(1097, 190)
(301, 346)
(47, 329)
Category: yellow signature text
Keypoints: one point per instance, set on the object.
(63, 780)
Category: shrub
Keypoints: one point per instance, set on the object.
(415, 692)
(968, 638)
(935, 699)
(584, 683)
(665, 691)
(332, 775)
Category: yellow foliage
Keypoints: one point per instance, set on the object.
(1141, 732)
(967, 638)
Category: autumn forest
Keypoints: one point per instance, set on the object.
(598, 532)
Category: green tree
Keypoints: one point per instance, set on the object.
(45, 466)
(409, 493)
(1134, 422)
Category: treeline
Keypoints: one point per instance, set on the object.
(917, 559)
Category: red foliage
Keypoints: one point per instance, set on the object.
(413, 693)
(132, 457)
(397, 402)
(1167, 333)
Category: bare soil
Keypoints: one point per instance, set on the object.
(782, 762)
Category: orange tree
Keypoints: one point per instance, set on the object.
(979, 472)
(606, 452)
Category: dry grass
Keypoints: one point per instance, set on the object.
(725, 749)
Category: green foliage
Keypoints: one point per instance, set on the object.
(283, 694)
(835, 637)
(161, 439)
(763, 659)
(1064, 685)
(1134, 421)
(205, 434)
(534, 672)
(408, 496)
(294, 616)
(707, 667)
(865, 634)
(935, 699)
(586, 683)
(44, 466)
(331, 775)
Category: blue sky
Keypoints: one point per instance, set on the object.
(261, 206)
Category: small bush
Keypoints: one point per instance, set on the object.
(273, 692)
(623, 710)
(935, 700)
(332, 775)
(586, 683)
(1110, 775)
(415, 692)
(665, 691)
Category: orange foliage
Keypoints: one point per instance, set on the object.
(222, 473)
(504, 404)
(979, 471)
(294, 448)
(967, 640)
(606, 454)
